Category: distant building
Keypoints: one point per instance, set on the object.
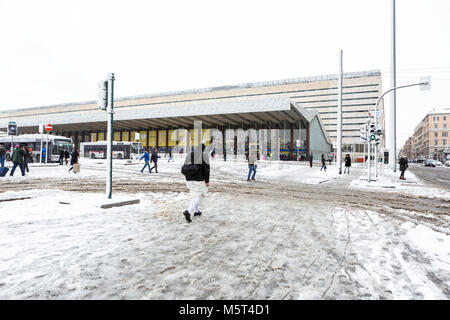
(430, 137)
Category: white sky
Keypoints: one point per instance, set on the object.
(56, 51)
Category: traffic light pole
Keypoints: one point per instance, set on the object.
(110, 132)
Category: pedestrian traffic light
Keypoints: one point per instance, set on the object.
(102, 101)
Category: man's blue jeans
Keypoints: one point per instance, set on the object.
(147, 164)
(250, 169)
(2, 162)
(22, 168)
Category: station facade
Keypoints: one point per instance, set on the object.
(292, 117)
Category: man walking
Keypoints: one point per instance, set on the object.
(154, 158)
(146, 158)
(18, 158)
(74, 159)
(310, 160)
(324, 166)
(251, 166)
(61, 157)
(403, 166)
(170, 155)
(348, 163)
(2, 155)
(198, 182)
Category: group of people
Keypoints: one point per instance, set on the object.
(21, 157)
(152, 158)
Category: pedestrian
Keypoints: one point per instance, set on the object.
(403, 166)
(324, 166)
(2, 155)
(66, 156)
(348, 163)
(43, 154)
(197, 180)
(26, 159)
(61, 156)
(224, 154)
(154, 159)
(146, 158)
(251, 166)
(17, 159)
(30, 151)
(310, 160)
(170, 155)
(330, 158)
(74, 159)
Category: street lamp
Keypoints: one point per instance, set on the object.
(425, 84)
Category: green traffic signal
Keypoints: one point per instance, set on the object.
(372, 137)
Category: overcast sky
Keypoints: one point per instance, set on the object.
(56, 51)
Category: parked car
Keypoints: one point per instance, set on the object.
(447, 163)
(430, 163)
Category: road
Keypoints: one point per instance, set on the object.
(438, 176)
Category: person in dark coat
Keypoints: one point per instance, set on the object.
(348, 163)
(403, 166)
(199, 183)
(154, 159)
(17, 159)
(310, 160)
(26, 159)
(61, 157)
(66, 156)
(170, 155)
(324, 166)
(74, 158)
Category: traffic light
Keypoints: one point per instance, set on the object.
(102, 102)
(372, 131)
(363, 132)
(12, 128)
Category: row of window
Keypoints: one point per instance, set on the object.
(444, 142)
(444, 134)
(436, 125)
(437, 118)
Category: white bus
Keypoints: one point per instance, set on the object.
(33, 141)
(121, 149)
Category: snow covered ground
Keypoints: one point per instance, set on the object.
(289, 235)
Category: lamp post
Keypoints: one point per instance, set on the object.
(425, 85)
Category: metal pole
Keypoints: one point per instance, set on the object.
(46, 150)
(42, 141)
(339, 115)
(392, 120)
(368, 161)
(110, 111)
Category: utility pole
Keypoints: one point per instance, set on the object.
(339, 115)
(110, 132)
(392, 113)
(106, 103)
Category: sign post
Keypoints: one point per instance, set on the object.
(48, 127)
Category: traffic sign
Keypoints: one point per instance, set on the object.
(48, 127)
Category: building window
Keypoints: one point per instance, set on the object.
(444, 142)
(435, 142)
(444, 133)
(445, 118)
(435, 126)
(435, 134)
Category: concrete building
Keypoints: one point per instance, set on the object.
(303, 109)
(430, 137)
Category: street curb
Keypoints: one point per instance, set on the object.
(120, 204)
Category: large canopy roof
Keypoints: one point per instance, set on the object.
(221, 112)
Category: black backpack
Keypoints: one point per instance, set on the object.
(189, 170)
